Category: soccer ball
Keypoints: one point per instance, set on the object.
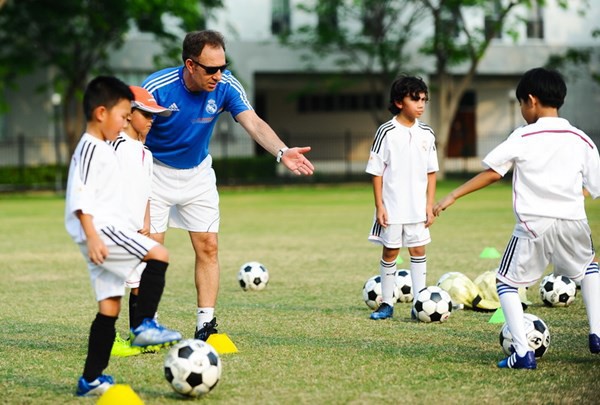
(192, 367)
(253, 276)
(537, 332)
(404, 286)
(557, 291)
(433, 304)
(372, 292)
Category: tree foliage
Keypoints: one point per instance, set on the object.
(364, 36)
(378, 38)
(578, 58)
(72, 39)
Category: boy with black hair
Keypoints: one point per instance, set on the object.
(552, 163)
(95, 219)
(403, 162)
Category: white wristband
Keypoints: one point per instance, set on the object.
(280, 154)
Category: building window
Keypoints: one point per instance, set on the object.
(451, 25)
(373, 14)
(492, 30)
(327, 13)
(535, 21)
(317, 103)
(280, 17)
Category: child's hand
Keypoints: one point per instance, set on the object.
(97, 250)
(145, 231)
(382, 216)
(443, 204)
(430, 218)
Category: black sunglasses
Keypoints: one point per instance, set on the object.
(210, 70)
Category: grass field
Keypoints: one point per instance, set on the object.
(307, 337)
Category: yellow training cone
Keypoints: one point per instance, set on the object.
(221, 343)
(120, 394)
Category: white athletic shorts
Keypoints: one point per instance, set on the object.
(396, 236)
(184, 198)
(126, 249)
(566, 244)
(133, 280)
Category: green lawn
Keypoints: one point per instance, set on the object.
(307, 337)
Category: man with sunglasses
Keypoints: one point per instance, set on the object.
(184, 192)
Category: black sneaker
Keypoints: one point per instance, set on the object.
(207, 329)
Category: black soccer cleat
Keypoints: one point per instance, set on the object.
(207, 329)
(594, 341)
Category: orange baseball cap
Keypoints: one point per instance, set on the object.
(144, 101)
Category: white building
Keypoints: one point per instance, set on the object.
(338, 126)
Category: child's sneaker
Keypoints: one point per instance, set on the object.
(96, 387)
(150, 335)
(515, 361)
(383, 312)
(594, 343)
(122, 348)
(206, 330)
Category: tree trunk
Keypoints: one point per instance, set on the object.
(73, 118)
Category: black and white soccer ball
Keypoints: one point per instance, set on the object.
(404, 286)
(538, 336)
(192, 367)
(253, 276)
(372, 292)
(557, 291)
(433, 304)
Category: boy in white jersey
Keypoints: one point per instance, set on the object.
(552, 163)
(136, 168)
(403, 162)
(96, 221)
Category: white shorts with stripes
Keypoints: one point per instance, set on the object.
(396, 236)
(126, 249)
(566, 244)
(184, 198)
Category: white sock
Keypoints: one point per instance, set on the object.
(388, 281)
(513, 313)
(418, 274)
(590, 286)
(204, 315)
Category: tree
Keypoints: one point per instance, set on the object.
(366, 36)
(72, 38)
(380, 44)
(453, 43)
(578, 58)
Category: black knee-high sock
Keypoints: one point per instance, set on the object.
(102, 336)
(132, 307)
(152, 285)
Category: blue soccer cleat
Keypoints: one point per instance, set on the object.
(383, 312)
(95, 388)
(594, 343)
(515, 361)
(152, 336)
